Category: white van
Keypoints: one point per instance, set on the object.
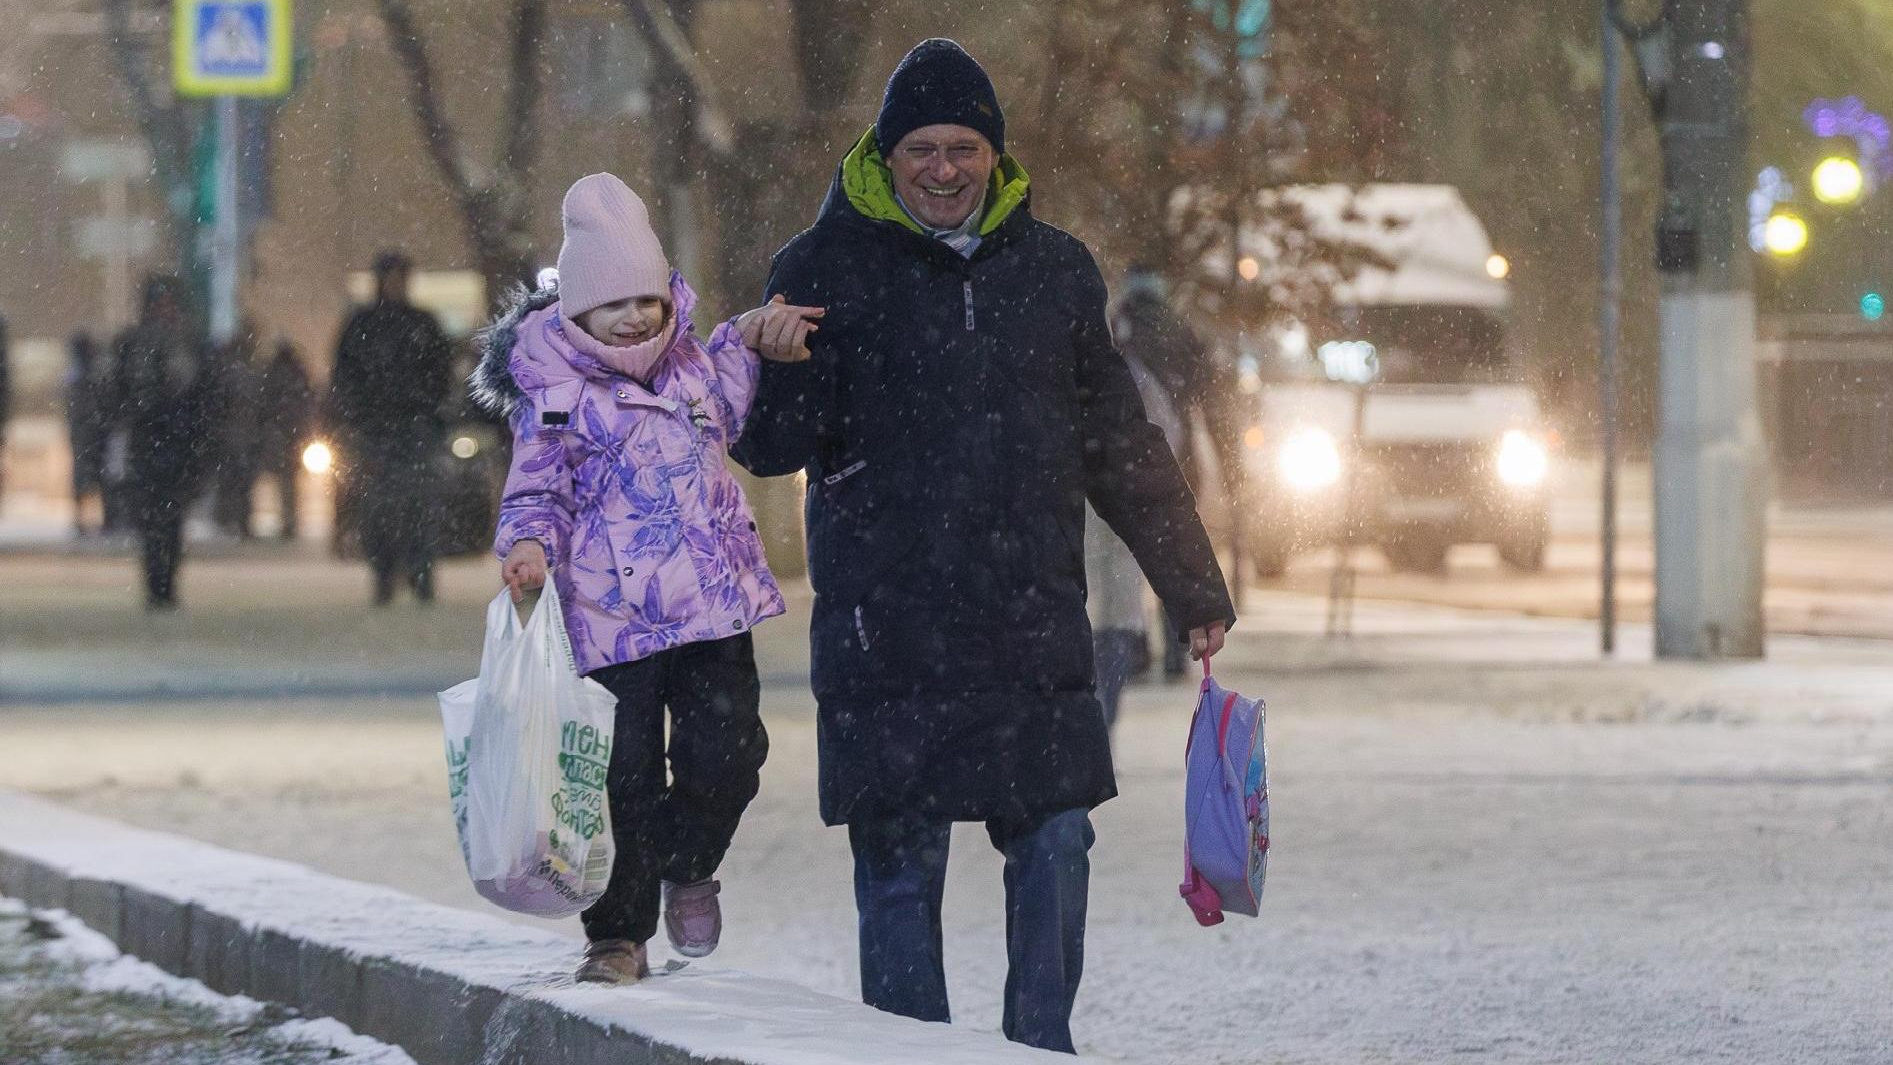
(1408, 401)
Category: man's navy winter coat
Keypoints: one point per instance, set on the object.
(954, 418)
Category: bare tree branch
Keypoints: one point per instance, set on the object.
(164, 129)
(439, 136)
(829, 35)
(713, 127)
(522, 139)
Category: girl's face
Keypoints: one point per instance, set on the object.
(626, 322)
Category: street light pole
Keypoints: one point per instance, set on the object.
(226, 231)
(1610, 296)
(1710, 465)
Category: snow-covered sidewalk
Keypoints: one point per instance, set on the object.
(1487, 846)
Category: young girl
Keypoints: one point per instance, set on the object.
(621, 418)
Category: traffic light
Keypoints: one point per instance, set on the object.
(1248, 19)
(1785, 235)
(1839, 181)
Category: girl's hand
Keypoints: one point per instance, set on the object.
(779, 330)
(524, 568)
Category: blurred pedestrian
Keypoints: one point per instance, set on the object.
(87, 396)
(115, 418)
(1120, 626)
(960, 404)
(620, 489)
(390, 381)
(1202, 389)
(234, 422)
(166, 400)
(285, 417)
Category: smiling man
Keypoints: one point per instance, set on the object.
(960, 404)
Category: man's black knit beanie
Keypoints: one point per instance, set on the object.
(938, 83)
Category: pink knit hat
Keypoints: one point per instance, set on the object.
(610, 252)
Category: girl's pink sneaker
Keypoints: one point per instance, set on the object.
(692, 917)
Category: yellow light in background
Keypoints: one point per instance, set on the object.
(1839, 180)
(465, 447)
(1498, 267)
(1248, 268)
(1785, 234)
(317, 458)
(1252, 438)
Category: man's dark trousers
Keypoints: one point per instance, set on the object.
(899, 876)
(398, 518)
(161, 533)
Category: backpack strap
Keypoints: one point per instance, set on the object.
(1222, 731)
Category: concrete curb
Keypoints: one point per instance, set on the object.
(448, 986)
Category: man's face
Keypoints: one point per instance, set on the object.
(392, 285)
(941, 173)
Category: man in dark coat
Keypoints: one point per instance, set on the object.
(285, 412)
(391, 377)
(237, 382)
(165, 406)
(961, 402)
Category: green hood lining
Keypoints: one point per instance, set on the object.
(869, 185)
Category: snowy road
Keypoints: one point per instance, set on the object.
(1830, 569)
(1488, 847)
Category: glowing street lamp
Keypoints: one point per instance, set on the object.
(1785, 235)
(1839, 180)
(317, 458)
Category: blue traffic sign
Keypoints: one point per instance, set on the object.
(231, 47)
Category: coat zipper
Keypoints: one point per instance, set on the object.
(968, 289)
(861, 628)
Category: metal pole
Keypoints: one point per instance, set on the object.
(225, 231)
(1710, 467)
(1609, 296)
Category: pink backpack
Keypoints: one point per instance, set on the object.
(1225, 805)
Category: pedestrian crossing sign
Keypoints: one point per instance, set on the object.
(230, 47)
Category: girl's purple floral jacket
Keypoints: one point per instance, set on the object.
(647, 533)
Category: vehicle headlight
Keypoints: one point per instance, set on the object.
(1310, 460)
(318, 458)
(1523, 461)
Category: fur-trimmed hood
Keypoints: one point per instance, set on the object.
(492, 384)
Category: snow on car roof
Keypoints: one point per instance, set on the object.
(1437, 245)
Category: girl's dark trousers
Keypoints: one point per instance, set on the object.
(676, 830)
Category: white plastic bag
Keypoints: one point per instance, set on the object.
(528, 743)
